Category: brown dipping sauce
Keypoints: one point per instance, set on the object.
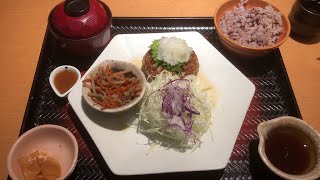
(65, 79)
(290, 150)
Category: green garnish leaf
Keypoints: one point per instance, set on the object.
(154, 48)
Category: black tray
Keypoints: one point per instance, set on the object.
(273, 98)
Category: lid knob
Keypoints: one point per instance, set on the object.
(76, 8)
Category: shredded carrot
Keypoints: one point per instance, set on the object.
(110, 89)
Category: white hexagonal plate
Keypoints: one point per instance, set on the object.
(128, 153)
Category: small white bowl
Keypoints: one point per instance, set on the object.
(118, 65)
(266, 127)
(56, 71)
(56, 141)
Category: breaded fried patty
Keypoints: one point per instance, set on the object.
(150, 68)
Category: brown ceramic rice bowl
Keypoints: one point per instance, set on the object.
(243, 50)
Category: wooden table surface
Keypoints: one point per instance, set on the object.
(23, 25)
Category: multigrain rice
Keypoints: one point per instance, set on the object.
(254, 27)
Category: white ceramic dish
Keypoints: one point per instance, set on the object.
(117, 65)
(56, 141)
(128, 153)
(56, 71)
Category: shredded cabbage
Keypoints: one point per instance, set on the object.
(163, 124)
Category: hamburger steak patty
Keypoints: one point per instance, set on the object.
(150, 68)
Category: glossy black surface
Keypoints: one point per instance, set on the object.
(305, 18)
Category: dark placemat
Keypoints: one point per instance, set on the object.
(273, 98)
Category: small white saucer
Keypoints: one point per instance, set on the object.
(56, 71)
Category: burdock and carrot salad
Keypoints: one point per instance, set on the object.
(111, 88)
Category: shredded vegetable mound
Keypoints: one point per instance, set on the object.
(175, 112)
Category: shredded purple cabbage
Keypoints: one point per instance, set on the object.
(176, 105)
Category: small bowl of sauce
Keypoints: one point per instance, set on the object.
(290, 148)
(63, 78)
